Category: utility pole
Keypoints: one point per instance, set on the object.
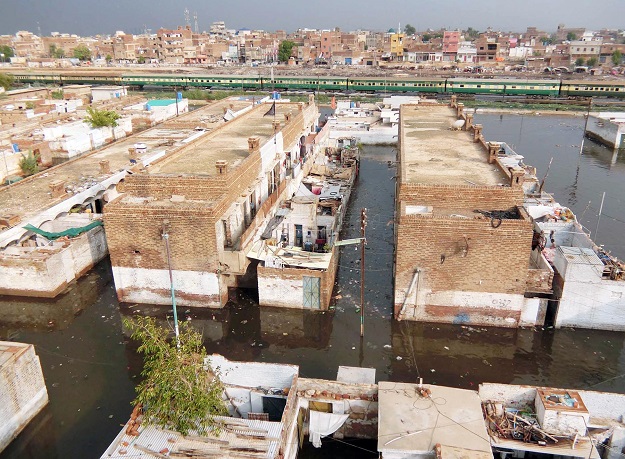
(165, 235)
(363, 226)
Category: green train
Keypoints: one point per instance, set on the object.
(519, 87)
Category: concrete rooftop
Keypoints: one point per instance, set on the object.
(433, 154)
(32, 196)
(230, 143)
(409, 423)
(9, 350)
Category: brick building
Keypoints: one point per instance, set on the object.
(463, 240)
(213, 199)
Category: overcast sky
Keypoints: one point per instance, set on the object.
(91, 17)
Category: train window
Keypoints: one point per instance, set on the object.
(462, 86)
(479, 85)
(616, 89)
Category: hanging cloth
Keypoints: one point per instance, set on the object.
(324, 424)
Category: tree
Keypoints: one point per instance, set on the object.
(472, 33)
(178, 391)
(579, 61)
(284, 50)
(57, 53)
(6, 80)
(571, 36)
(591, 62)
(101, 118)
(58, 94)
(109, 58)
(82, 52)
(426, 37)
(617, 57)
(410, 30)
(141, 60)
(7, 52)
(29, 164)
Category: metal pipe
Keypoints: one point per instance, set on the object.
(173, 291)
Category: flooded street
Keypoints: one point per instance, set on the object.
(90, 366)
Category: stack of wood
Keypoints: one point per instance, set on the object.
(510, 424)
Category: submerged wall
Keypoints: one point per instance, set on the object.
(23, 391)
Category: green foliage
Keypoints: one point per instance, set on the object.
(410, 30)
(579, 61)
(472, 33)
(58, 94)
(195, 94)
(82, 52)
(109, 58)
(571, 36)
(284, 50)
(426, 37)
(7, 51)
(30, 105)
(617, 57)
(550, 40)
(141, 60)
(29, 164)
(591, 62)
(57, 53)
(101, 118)
(6, 80)
(178, 391)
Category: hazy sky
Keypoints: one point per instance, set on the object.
(91, 17)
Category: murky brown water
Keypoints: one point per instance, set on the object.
(90, 367)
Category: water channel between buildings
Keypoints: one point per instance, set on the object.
(90, 366)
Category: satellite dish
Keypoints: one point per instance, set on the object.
(457, 125)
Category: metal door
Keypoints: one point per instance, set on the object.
(312, 290)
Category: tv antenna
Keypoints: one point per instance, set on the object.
(187, 19)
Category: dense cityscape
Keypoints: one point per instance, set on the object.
(400, 46)
(240, 243)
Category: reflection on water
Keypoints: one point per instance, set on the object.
(576, 181)
(90, 366)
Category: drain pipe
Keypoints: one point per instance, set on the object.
(165, 235)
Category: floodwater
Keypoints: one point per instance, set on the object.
(90, 365)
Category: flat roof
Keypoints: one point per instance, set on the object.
(9, 349)
(30, 197)
(433, 154)
(409, 422)
(230, 143)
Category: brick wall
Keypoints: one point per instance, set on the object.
(460, 196)
(462, 254)
(134, 236)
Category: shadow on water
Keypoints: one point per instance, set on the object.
(90, 365)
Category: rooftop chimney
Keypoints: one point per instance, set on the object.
(222, 166)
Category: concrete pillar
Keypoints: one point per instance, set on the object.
(300, 106)
(517, 177)
(454, 100)
(287, 117)
(311, 99)
(222, 166)
(105, 167)
(460, 109)
(469, 121)
(477, 132)
(57, 187)
(253, 143)
(493, 151)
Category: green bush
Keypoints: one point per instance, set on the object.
(29, 164)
